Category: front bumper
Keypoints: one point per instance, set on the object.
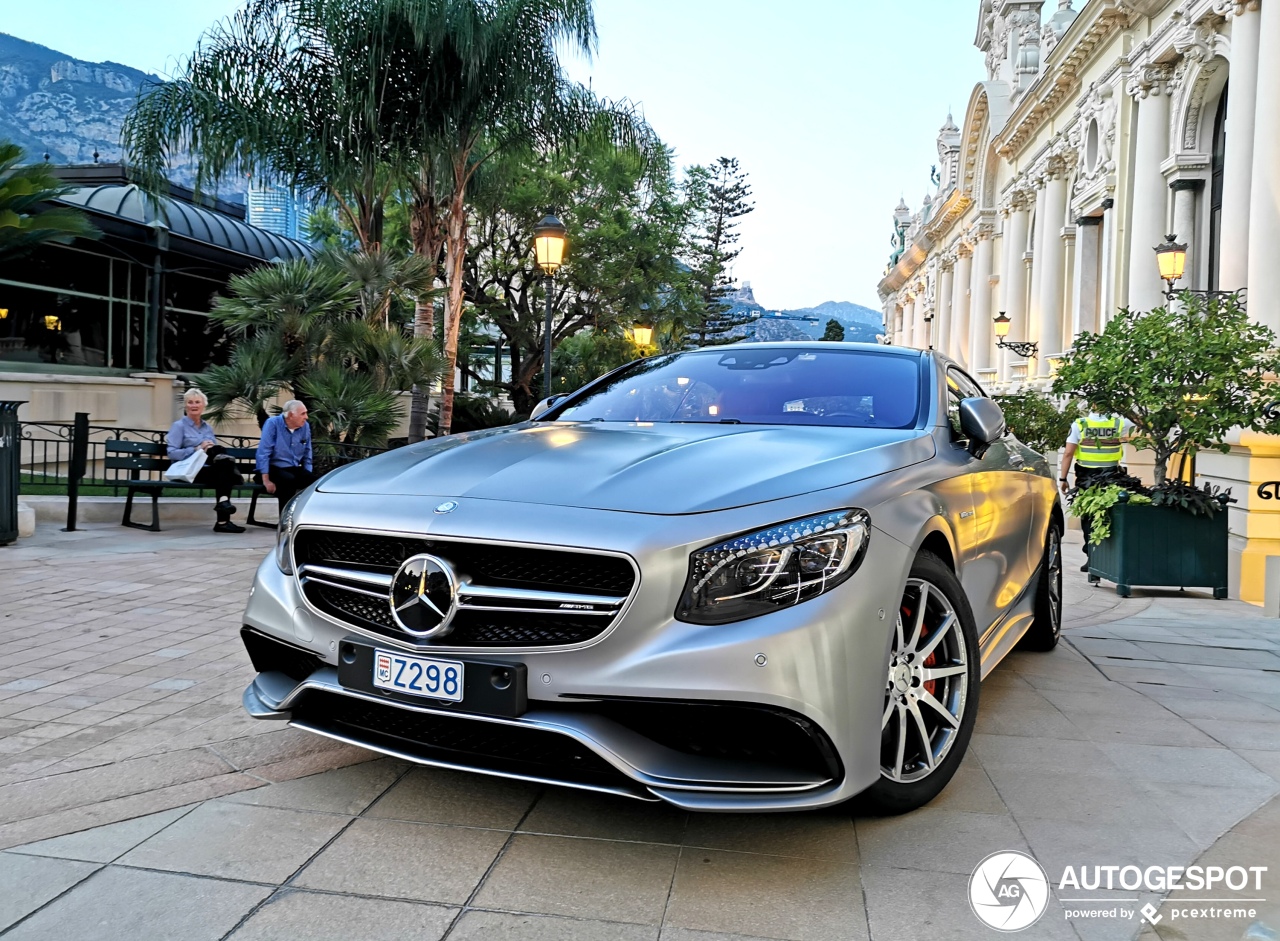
(797, 695)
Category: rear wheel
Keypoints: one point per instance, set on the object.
(931, 690)
(1046, 628)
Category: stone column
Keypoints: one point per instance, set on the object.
(909, 321)
(962, 306)
(1107, 295)
(1050, 262)
(1029, 327)
(980, 312)
(1065, 334)
(1243, 107)
(942, 315)
(1085, 291)
(919, 327)
(1013, 280)
(1150, 194)
(1264, 209)
(1184, 226)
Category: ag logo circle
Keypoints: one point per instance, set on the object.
(424, 596)
(1008, 891)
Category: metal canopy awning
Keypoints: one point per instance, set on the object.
(128, 203)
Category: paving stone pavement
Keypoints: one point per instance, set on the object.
(137, 802)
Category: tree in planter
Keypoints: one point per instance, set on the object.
(1184, 374)
(1037, 422)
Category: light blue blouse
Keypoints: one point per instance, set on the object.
(184, 437)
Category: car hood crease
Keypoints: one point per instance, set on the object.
(665, 469)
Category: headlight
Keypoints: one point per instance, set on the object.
(759, 572)
(284, 553)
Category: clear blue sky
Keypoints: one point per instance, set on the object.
(831, 106)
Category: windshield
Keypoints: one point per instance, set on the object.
(766, 386)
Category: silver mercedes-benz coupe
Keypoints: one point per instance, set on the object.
(747, 578)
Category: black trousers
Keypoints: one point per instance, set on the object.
(289, 480)
(221, 476)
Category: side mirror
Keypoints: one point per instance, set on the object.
(982, 422)
(545, 405)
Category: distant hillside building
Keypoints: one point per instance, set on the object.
(1100, 127)
(273, 208)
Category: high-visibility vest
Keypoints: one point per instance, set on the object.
(1090, 455)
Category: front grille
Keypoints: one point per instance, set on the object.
(504, 566)
(351, 605)
(481, 564)
(456, 739)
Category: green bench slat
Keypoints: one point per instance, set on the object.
(152, 457)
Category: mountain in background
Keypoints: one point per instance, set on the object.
(68, 108)
(861, 324)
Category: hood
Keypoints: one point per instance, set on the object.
(664, 469)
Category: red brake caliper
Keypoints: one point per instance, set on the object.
(931, 686)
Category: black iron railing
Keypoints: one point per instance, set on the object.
(46, 454)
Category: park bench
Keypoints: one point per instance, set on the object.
(145, 461)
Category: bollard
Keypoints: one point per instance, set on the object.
(10, 471)
(79, 462)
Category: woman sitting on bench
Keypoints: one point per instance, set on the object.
(189, 434)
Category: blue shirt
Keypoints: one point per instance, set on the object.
(282, 447)
(184, 437)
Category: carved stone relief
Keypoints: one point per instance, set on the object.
(1094, 135)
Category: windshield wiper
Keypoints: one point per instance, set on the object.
(705, 421)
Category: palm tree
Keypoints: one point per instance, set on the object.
(25, 222)
(301, 92)
(495, 83)
(322, 329)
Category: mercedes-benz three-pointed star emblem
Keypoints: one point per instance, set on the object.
(424, 596)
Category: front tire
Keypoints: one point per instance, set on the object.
(1046, 627)
(931, 690)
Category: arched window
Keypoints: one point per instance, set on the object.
(1215, 192)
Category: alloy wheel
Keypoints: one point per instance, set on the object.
(1053, 571)
(927, 689)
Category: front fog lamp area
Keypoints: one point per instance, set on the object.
(284, 554)
(759, 572)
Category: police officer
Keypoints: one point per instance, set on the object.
(1096, 444)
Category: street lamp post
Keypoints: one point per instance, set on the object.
(549, 241)
(1023, 348)
(1171, 256)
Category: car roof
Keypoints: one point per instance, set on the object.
(813, 345)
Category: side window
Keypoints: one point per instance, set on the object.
(959, 386)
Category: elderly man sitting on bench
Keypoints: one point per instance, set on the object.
(284, 453)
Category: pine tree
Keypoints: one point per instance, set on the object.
(720, 196)
(834, 331)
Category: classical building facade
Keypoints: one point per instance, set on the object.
(1101, 127)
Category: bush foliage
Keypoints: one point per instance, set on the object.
(1036, 420)
(1185, 374)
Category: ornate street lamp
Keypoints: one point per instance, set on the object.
(549, 240)
(1171, 256)
(642, 336)
(1023, 348)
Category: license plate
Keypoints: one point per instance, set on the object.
(419, 676)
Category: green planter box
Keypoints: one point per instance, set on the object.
(1161, 546)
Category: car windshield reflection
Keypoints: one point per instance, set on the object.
(766, 386)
